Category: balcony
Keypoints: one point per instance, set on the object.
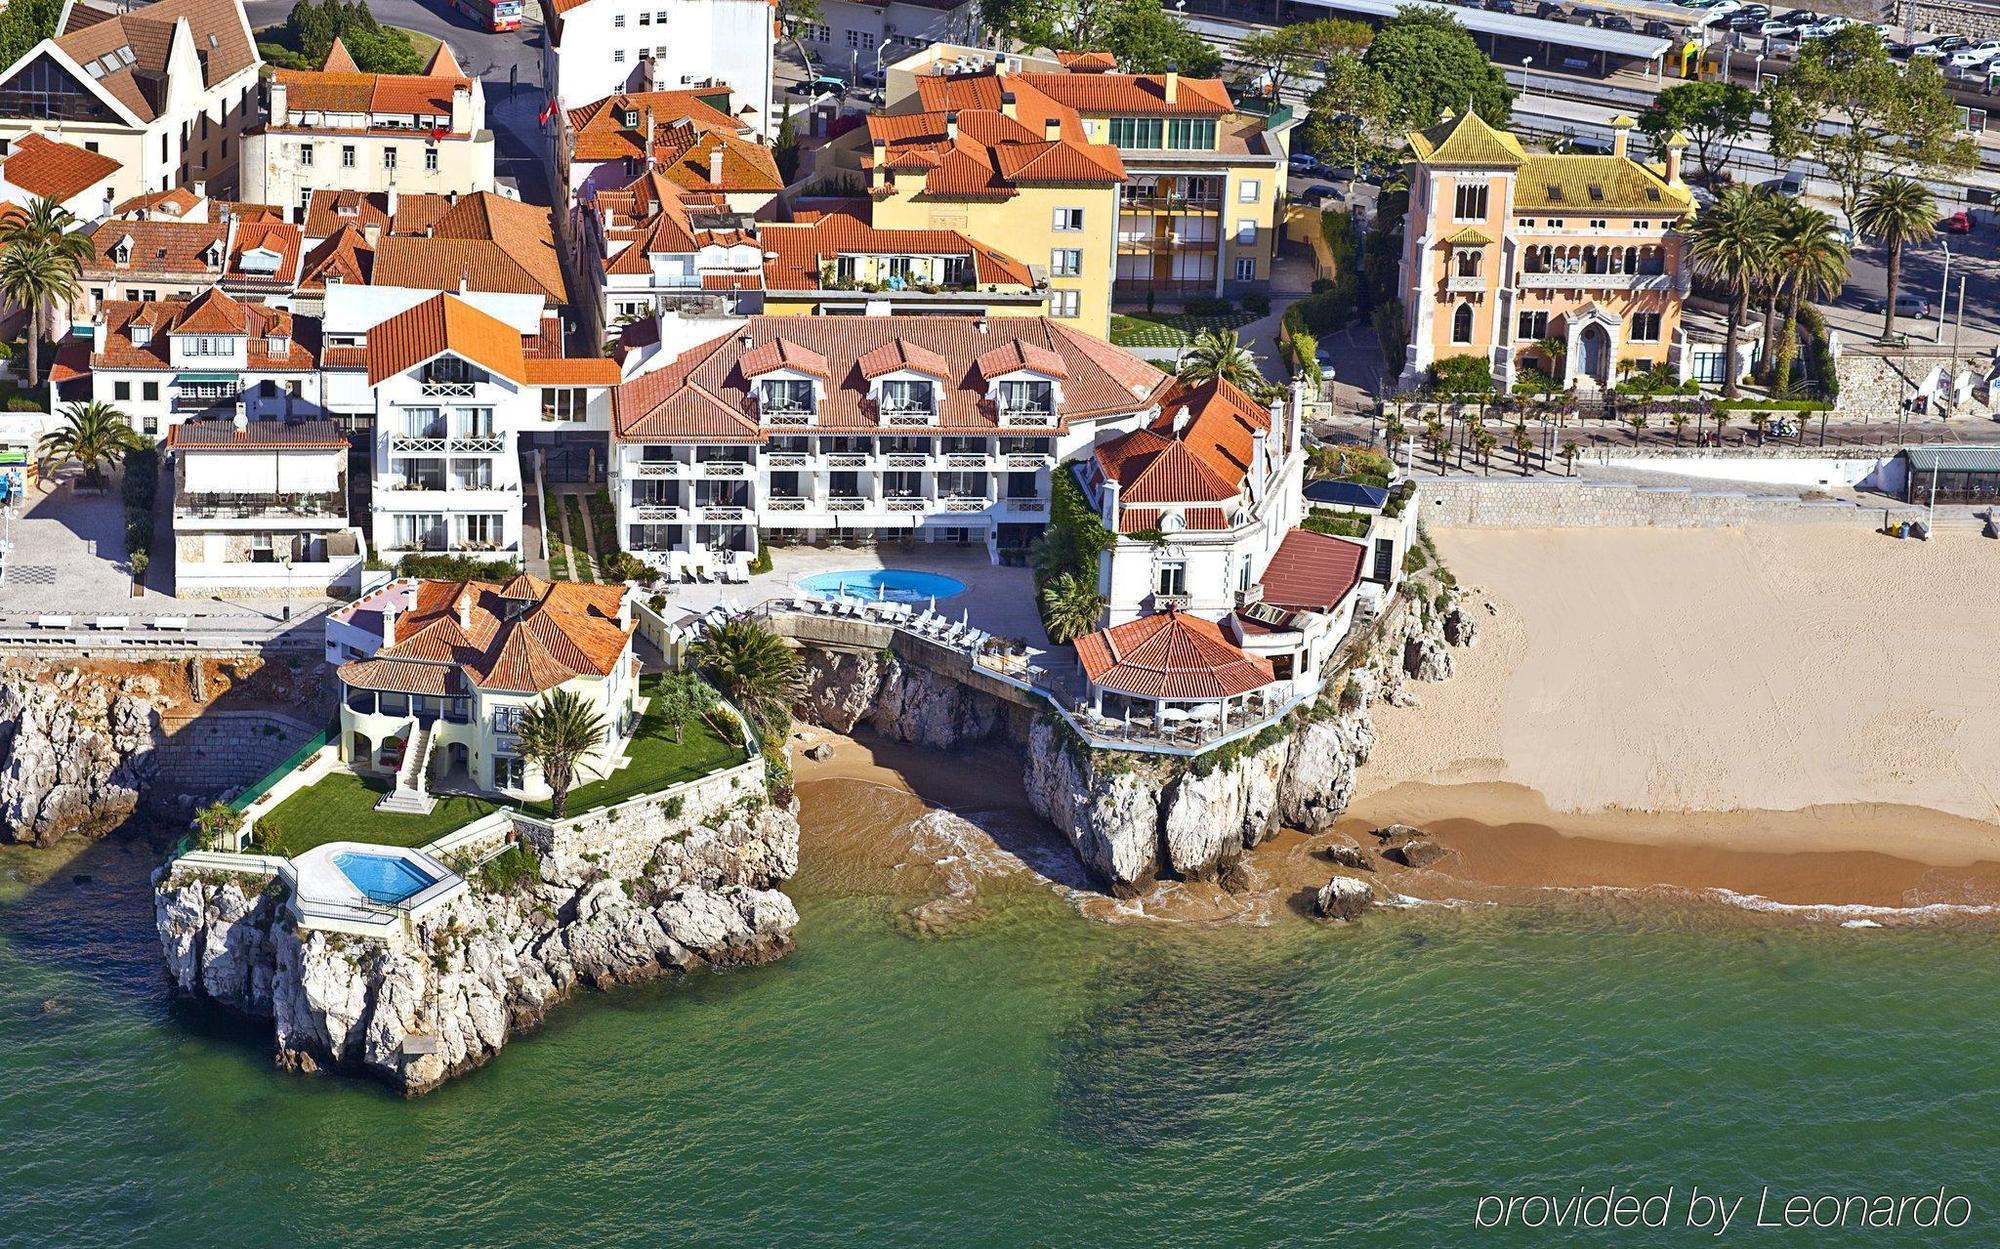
(847, 504)
(974, 460)
(849, 459)
(205, 403)
(906, 460)
(905, 505)
(659, 513)
(710, 470)
(660, 468)
(787, 459)
(909, 418)
(722, 513)
(964, 504)
(1028, 460)
(1597, 281)
(435, 389)
(785, 503)
(443, 444)
(790, 418)
(207, 506)
(1027, 418)
(1179, 602)
(1028, 507)
(1461, 283)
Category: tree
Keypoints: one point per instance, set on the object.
(752, 665)
(1896, 212)
(681, 699)
(1147, 39)
(1570, 450)
(1352, 118)
(1730, 244)
(1333, 36)
(1219, 354)
(1432, 66)
(1811, 258)
(43, 262)
(1850, 107)
(1524, 445)
(794, 17)
(1638, 420)
(26, 23)
(785, 147)
(1709, 113)
(1679, 420)
(558, 732)
(1071, 607)
(92, 434)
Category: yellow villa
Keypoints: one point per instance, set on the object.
(1573, 266)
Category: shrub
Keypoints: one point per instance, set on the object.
(139, 560)
(1257, 304)
(1208, 306)
(215, 821)
(625, 566)
(761, 562)
(455, 568)
(515, 869)
(1337, 526)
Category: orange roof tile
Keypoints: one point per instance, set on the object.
(498, 638)
(600, 129)
(1131, 95)
(1312, 571)
(795, 254)
(440, 324)
(573, 371)
(782, 353)
(1170, 656)
(900, 353)
(1018, 354)
(57, 171)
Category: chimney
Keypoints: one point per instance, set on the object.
(465, 610)
(1260, 461)
(464, 283)
(388, 617)
(391, 207)
(984, 328)
(1172, 88)
(240, 421)
(715, 166)
(1007, 108)
(951, 127)
(1051, 129)
(1676, 144)
(371, 234)
(646, 135)
(1109, 493)
(744, 340)
(1621, 131)
(1180, 419)
(97, 332)
(200, 189)
(461, 108)
(280, 99)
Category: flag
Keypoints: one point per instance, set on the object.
(548, 111)
(439, 132)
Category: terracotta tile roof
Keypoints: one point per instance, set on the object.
(403, 676)
(486, 240)
(497, 641)
(344, 256)
(139, 42)
(1312, 571)
(990, 156)
(707, 390)
(327, 211)
(168, 248)
(1019, 354)
(350, 91)
(747, 167)
(57, 171)
(1131, 95)
(218, 435)
(338, 59)
(282, 240)
(177, 202)
(1087, 62)
(1221, 426)
(444, 323)
(442, 63)
(573, 371)
(794, 253)
(212, 312)
(901, 353)
(1170, 656)
(1144, 519)
(601, 133)
(1151, 469)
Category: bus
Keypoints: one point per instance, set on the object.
(492, 14)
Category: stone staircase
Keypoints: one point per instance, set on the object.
(412, 795)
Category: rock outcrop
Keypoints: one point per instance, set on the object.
(446, 995)
(896, 699)
(1343, 897)
(76, 756)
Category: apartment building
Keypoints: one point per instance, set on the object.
(1507, 250)
(453, 391)
(653, 248)
(689, 136)
(837, 264)
(165, 90)
(1199, 210)
(260, 507)
(40, 168)
(595, 48)
(336, 128)
(860, 39)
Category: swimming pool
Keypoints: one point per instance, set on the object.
(384, 878)
(895, 585)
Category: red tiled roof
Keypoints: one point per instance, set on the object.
(1170, 656)
(479, 630)
(167, 247)
(1144, 519)
(281, 239)
(901, 353)
(444, 323)
(57, 171)
(779, 352)
(1130, 95)
(212, 312)
(1222, 425)
(1087, 62)
(219, 435)
(1312, 571)
(573, 371)
(1019, 354)
(795, 253)
(1150, 468)
(327, 211)
(601, 133)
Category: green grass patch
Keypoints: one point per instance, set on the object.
(657, 761)
(341, 808)
(559, 554)
(1168, 329)
(582, 567)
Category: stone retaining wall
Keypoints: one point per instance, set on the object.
(223, 750)
(621, 840)
(1874, 387)
(1561, 504)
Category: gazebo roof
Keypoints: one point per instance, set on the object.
(1170, 656)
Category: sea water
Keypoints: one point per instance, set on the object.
(1029, 1078)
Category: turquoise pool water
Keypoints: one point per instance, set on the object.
(896, 585)
(385, 878)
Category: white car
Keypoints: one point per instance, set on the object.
(1975, 54)
(1824, 27)
(1939, 47)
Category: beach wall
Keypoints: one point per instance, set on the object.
(1561, 503)
(1786, 466)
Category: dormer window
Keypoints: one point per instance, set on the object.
(142, 335)
(121, 252)
(1028, 398)
(277, 344)
(908, 398)
(1468, 262)
(786, 395)
(631, 117)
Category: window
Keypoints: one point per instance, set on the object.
(1532, 325)
(1645, 327)
(509, 772)
(1246, 269)
(1067, 304)
(1066, 262)
(907, 396)
(306, 154)
(618, 21)
(149, 426)
(1170, 577)
(1555, 223)
(618, 56)
(149, 391)
(388, 158)
(645, 19)
(856, 39)
(1461, 324)
(1246, 233)
(347, 156)
(1028, 397)
(1467, 259)
(472, 474)
(1069, 219)
(1188, 134)
(430, 160)
(1600, 224)
(787, 396)
(1248, 191)
(1138, 132)
(817, 32)
(1470, 203)
(121, 391)
(564, 403)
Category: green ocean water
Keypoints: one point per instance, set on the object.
(1033, 1078)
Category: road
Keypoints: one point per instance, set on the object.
(498, 59)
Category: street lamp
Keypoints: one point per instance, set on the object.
(1944, 291)
(1757, 77)
(1527, 84)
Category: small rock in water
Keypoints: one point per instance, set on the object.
(80, 878)
(1397, 834)
(1350, 856)
(1417, 852)
(1343, 898)
(823, 750)
(54, 1006)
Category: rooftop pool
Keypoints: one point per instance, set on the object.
(384, 878)
(894, 585)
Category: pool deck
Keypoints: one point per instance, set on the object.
(321, 888)
(998, 599)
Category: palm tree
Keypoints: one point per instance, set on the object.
(1730, 244)
(1721, 418)
(1483, 443)
(92, 434)
(1813, 257)
(45, 251)
(1637, 420)
(1552, 351)
(1524, 445)
(1569, 453)
(1219, 354)
(752, 665)
(1896, 211)
(1071, 607)
(557, 732)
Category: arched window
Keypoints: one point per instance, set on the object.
(1461, 324)
(1468, 262)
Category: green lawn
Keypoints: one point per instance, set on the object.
(1167, 329)
(656, 762)
(341, 808)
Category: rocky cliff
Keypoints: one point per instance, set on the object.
(896, 699)
(76, 753)
(446, 996)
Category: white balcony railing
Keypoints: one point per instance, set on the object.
(907, 459)
(847, 505)
(1458, 283)
(967, 504)
(788, 503)
(978, 459)
(905, 505)
(659, 468)
(722, 468)
(848, 459)
(787, 459)
(446, 390)
(1597, 281)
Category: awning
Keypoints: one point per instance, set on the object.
(203, 379)
(310, 473)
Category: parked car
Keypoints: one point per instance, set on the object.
(1660, 30)
(1959, 222)
(1587, 15)
(1550, 11)
(1305, 163)
(1786, 25)
(1616, 21)
(1498, 6)
(1750, 19)
(824, 84)
(1941, 46)
(1792, 184)
(1907, 305)
(1973, 54)
(1824, 27)
(1320, 195)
